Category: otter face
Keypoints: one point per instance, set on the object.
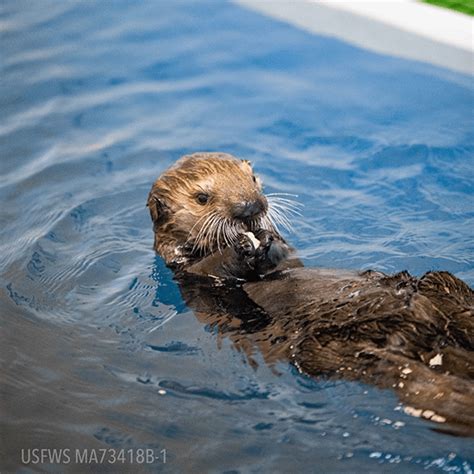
(205, 201)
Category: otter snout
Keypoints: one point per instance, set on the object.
(245, 210)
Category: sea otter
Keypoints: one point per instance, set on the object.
(218, 231)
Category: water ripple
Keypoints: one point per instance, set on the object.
(97, 99)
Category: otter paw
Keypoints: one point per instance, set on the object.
(245, 247)
(272, 250)
(265, 238)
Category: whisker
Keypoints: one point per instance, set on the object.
(233, 233)
(200, 234)
(271, 222)
(203, 235)
(282, 194)
(291, 205)
(213, 234)
(285, 209)
(203, 238)
(280, 218)
(254, 223)
(286, 202)
(266, 223)
(219, 234)
(194, 226)
(227, 233)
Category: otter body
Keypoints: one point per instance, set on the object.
(416, 336)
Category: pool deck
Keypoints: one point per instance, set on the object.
(404, 28)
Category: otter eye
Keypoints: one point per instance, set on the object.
(254, 178)
(202, 198)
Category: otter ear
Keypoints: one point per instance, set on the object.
(158, 209)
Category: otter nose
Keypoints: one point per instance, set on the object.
(247, 209)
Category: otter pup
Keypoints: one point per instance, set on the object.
(414, 335)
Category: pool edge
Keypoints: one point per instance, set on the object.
(381, 30)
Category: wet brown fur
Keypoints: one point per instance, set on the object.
(379, 329)
(174, 208)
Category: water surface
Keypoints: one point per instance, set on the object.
(98, 348)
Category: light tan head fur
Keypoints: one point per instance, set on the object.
(202, 202)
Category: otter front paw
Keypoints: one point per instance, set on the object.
(265, 239)
(246, 245)
(259, 252)
(272, 250)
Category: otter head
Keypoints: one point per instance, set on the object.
(203, 203)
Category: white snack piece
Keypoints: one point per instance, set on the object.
(253, 239)
(436, 360)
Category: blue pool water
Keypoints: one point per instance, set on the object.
(98, 348)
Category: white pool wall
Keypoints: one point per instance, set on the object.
(403, 28)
